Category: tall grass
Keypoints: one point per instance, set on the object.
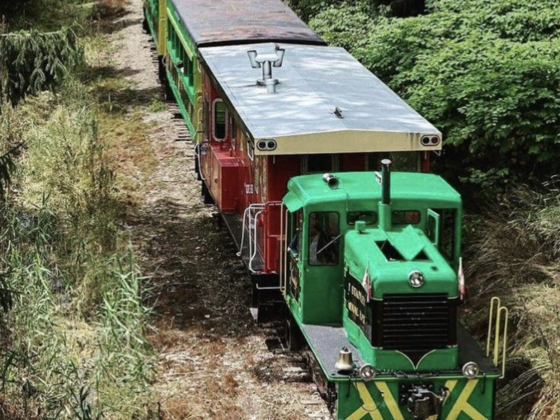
(515, 256)
(72, 342)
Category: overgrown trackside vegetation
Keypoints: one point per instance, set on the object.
(487, 74)
(72, 320)
(80, 352)
(309, 8)
(516, 254)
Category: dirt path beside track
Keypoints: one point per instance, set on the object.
(212, 361)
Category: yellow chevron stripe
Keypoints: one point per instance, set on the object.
(462, 405)
(369, 406)
(390, 400)
(450, 385)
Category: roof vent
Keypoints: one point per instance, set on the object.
(266, 62)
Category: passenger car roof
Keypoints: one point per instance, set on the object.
(226, 22)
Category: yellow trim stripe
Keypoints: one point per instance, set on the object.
(462, 405)
(450, 385)
(369, 406)
(390, 400)
(179, 34)
(161, 28)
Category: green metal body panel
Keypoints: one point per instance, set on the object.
(151, 12)
(379, 399)
(183, 72)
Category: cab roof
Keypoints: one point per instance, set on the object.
(405, 186)
(226, 22)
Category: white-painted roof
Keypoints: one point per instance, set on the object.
(314, 81)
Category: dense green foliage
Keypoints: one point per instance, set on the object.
(484, 72)
(32, 61)
(308, 8)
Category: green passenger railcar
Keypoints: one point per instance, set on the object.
(371, 279)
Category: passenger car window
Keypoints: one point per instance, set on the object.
(220, 118)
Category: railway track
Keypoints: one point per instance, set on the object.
(275, 367)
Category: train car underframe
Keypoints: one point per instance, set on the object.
(267, 302)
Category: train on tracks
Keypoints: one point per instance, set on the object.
(321, 174)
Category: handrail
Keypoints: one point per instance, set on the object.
(283, 254)
(498, 312)
(253, 253)
(243, 231)
(198, 152)
(252, 228)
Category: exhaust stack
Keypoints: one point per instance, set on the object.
(385, 204)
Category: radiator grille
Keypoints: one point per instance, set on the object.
(416, 324)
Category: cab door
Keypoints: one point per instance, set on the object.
(443, 228)
(294, 264)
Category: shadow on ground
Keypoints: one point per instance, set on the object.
(198, 281)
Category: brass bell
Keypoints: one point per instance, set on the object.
(344, 362)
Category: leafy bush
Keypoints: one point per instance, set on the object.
(485, 73)
(347, 26)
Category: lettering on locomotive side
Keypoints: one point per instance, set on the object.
(359, 310)
(358, 293)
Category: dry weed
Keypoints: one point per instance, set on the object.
(514, 256)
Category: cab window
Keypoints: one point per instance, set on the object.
(405, 217)
(370, 217)
(447, 233)
(441, 229)
(323, 238)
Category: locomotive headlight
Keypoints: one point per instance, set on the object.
(416, 279)
(470, 370)
(367, 372)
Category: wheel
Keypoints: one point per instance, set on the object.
(206, 194)
(294, 338)
(161, 70)
(145, 26)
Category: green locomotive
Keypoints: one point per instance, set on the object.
(371, 280)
